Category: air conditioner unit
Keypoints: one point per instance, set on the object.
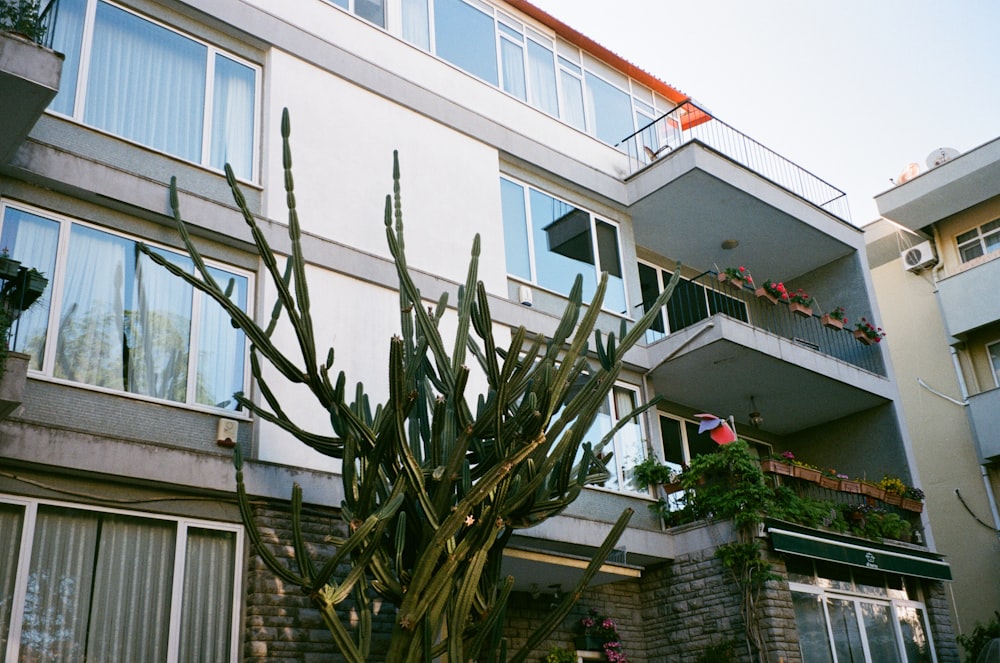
(919, 257)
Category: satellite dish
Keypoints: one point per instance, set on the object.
(911, 171)
(940, 156)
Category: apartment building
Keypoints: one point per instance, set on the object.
(932, 264)
(116, 483)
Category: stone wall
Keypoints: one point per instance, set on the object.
(939, 615)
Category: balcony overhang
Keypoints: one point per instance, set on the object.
(29, 79)
(968, 298)
(690, 200)
(984, 413)
(948, 189)
(717, 364)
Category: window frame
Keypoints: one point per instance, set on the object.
(56, 291)
(183, 524)
(594, 220)
(211, 52)
(616, 442)
(994, 365)
(980, 240)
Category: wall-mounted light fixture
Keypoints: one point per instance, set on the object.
(756, 420)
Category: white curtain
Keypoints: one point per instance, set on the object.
(158, 329)
(56, 605)
(416, 22)
(207, 610)
(232, 117)
(221, 349)
(542, 71)
(629, 445)
(512, 63)
(146, 83)
(32, 240)
(91, 341)
(11, 522)
(67, 39)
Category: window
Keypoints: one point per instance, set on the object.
(691, 302)
(857, 615)
(372, 11)
(144, 82)
(979, 241)
(466, 37)
(994, 351)
(100, 585)
(548, 242)
(112, 318)
(627, 445)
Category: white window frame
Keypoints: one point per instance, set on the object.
(594, 219)
(55, 287)
(183, 524)
(979, 239)
(995, 366)
(79, 103)
(616, 442)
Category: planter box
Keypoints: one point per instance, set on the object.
(588, 643)
(833, 483)
(764, 294)
(863, 338)
(15, 373)
(832, 323)
(893, 498)
(770, 466)
(871, 490)
(671, 488)
(849, 486)
(800, 309)
(912, 505)
(8, 268)
(806, 473)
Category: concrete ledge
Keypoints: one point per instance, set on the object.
(29, 79)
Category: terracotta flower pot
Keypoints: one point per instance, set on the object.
(912, 505)
(863, 337)
(762, 293)
(807, 473)
(801, 309)
(771, 466)
(831, 322)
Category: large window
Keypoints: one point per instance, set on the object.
(627, 447)
(101, 585)
(853, 614)
(548, 242)
(142, 81)
(979, 241)
(372, 11)
(691, 302)
(112, 318)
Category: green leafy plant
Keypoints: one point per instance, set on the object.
(802, 297)
(981, 634)
(776, 290)
(838, 314)
(876, 334)
(560, 655)
(651, 472)
(21, 17)
(740, 273)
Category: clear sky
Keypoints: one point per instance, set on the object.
(852, 90)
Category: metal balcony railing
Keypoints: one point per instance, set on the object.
(47, 22)
(703, 296)
(688, 123)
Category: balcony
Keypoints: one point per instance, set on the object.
(984, 413)
(739, 345)
(696, 182)
(29, 79)
(968, 298)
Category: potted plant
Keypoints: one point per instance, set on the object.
(848, 485)
(894, 489)
(20, 17)
(835, 319)
(913, 499)
(559, 655)
(780, 464)
(736, 276)
(772, 291)
(830, 479)
(868, 333)
(600, 634)
(8, 266)
(651, 472)
(800, 302)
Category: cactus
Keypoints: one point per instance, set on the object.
(435, 483)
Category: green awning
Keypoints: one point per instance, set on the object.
(869, 555)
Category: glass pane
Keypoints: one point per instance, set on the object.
(515, 229)
(814, 641)
(915, 643)
(133, 577)
(967, 236)
(57, 602)
(206, 616)
(995, 362)
(233, 117)
(512, 57)
(67, 38)
(880, 633)
(630, 449)
(673, 452)
(11, 522)
(466, 37)
(416, 23)
(371, 10)
(542, 70)
(572, 100)
(800, 569)
(602, 424)
(339, 3)
(610, 262)
(699, 444)
(971, 251)
(846, 633)
(563, 245)
(610, 110)
(650, 289)
(222, 349)
(146, 83)
(32, 240)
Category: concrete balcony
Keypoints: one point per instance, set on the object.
(12, 381)
(968, 298)
(984, 414)
(29, 79)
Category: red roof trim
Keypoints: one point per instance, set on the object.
(602, 53)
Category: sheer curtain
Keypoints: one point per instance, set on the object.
(158, 328)
(67, 39)
(221, 349)
(629, 445)
(208, 596)
(11, 522)
(512, 63)
(416, 23)
(32, 240)
(232, 116)
(91, 342)
(146, 83)
(542, 72)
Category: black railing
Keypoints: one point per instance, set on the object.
(703, 296)
(688, 123)
(47, 22)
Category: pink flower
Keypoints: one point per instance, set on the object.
(607, 623)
